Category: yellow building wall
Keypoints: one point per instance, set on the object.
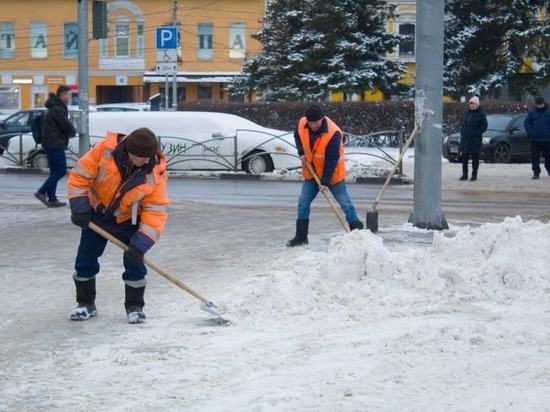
(49, 72)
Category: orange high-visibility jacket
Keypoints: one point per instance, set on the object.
(96, 182)
(316, 154)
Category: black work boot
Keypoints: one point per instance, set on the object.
(474, 177)
(85, 297)
(356, 225)
(302, 228)
(134, 304)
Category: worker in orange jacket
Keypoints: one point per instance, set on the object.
(120, 185)
(320, 142)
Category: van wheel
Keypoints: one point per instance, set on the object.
(257, 163)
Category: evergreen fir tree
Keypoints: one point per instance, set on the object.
(493, 43)
(313, 47)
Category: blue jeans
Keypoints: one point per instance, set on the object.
(58, 168)
(310, 189)
(91, 248)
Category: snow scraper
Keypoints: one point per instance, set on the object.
(206, 305)
(372, 215)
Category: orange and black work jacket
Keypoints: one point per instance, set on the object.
(323, 149)
(96, 184)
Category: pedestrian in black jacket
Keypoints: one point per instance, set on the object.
(57, 129)
(537, 126)
(474, 124)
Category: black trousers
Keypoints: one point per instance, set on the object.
(475, 163)
(536, 149)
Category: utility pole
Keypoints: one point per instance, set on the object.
(175, 76)
(428, 115)
(83, 100)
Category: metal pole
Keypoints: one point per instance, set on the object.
(429, 115)
(166, 95)
(83, 103)
(175, 76)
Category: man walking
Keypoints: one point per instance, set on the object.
(537, 126)
(57, 129)
(320, 142)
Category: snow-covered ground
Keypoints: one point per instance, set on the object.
(457, 320)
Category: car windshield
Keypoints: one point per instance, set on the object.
(497, 122)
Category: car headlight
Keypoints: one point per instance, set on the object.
(486, 140)
(445, 139)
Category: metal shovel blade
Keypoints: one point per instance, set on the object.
(209, 307)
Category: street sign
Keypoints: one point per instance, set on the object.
(167, 37)
(167, 68)
(167, 56)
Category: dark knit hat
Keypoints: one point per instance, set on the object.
(142, 142)
(314, 113)
(539, 100)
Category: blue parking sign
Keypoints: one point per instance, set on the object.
(167, 37)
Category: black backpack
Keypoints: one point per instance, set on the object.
(36, 126)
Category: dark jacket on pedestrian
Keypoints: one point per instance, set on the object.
(537, 124)
(57, 129)
(474, 124)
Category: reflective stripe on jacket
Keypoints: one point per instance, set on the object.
(96, 182)
(316, 154)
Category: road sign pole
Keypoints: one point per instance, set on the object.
(166, 95)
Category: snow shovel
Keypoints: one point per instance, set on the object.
(330, 202)
(206, 305)
(372, 215)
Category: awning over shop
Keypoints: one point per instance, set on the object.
(192, 77)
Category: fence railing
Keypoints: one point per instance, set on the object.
(179, 150)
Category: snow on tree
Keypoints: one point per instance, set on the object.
(493, 43)
(312, 48)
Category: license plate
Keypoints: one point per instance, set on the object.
(453, 149)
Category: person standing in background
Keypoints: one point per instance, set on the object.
(537, 126)
(57, 129)
(474, 124)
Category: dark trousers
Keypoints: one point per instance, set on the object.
(92, 246)
(536, 149)
(475, 163)
(58, 168)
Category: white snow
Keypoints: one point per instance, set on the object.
(457, 320)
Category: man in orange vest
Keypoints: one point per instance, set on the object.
(120, 185)
(320, 142)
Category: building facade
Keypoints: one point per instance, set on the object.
(39, 49)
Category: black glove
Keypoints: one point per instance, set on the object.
(81, 219)
(134, 255)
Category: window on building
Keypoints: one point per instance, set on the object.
(39, 36)
(122, 39)
(237, 40)
(205, 36)
(70, 40)
(205, 91)
(140, 41)
(7, 40)
(406, 31)
(9, 97)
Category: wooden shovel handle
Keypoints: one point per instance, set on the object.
(152, 265)
(395, 166)
(330, 202)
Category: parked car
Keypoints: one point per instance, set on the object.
(207, 140)
(14, 125)
(191, 141)
(122, 107)
(504, 141)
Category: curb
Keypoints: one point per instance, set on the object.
(380, 180)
